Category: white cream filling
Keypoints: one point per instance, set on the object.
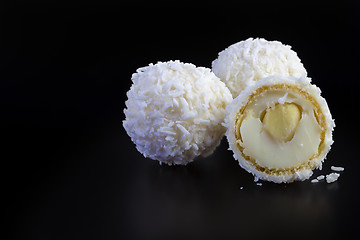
(269, 152)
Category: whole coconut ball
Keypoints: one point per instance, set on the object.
(253, 59)
(174, 112)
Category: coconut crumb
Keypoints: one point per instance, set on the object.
(337, 169)
(332, 177)
(241, 188)
(259, 184)
(321, 177)
(283, 99)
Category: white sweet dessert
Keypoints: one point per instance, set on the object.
(280, 128)
(175, 111)
(253, 59)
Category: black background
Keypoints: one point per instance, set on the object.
(69, 170)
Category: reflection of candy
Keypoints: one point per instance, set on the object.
(175, 111)
(253, 59)
(280, 128)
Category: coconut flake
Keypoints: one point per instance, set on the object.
(337, 169)
(321, 177)
(332, 177)
(282, 100)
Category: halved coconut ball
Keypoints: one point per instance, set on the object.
(248, 61)
(175, 111)
(280, 128)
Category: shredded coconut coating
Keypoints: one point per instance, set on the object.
(242, 99)
(175, 111)
(253, 59)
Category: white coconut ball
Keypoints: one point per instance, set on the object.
(174, 112)
(253, 59)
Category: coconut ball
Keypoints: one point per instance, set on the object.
(174, 112)
(253, 59)
(280, 129)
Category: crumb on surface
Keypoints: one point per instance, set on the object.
(337, 169)
(332, 177)
(321, 177)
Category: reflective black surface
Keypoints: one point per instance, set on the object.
(71, 172)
